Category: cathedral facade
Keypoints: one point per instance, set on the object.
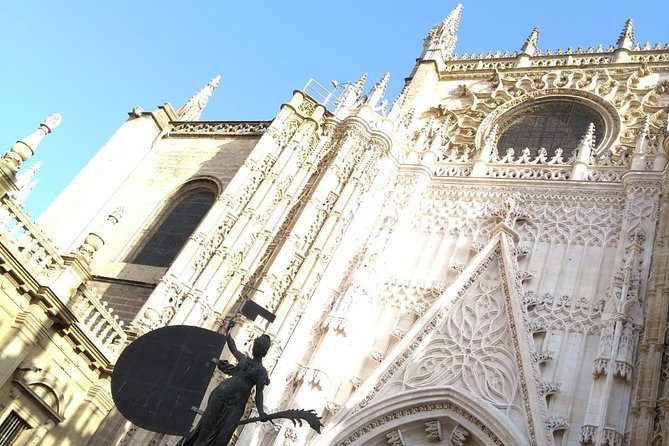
(485, 261)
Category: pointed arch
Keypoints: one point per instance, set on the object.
(410, 411)
(181, 214)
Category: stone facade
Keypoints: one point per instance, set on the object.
(59, 339)
(430, 284)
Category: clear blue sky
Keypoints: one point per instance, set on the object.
(94, 61)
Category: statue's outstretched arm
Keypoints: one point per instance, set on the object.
(233, 348)
(231, 342)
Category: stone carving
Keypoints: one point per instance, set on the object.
(461, 349)
(380, 422)
(332, 407)
(576, 315)
(614, 91)
(459, 435)
(526, 157)
(412, 295)
(549, 388)
(156, 439)
(316, 378)
(395, 438)
(220, 128)
(554, 423)
(128, 435)
(433, 430)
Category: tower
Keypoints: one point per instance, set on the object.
(482, 262)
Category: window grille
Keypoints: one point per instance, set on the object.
(549, 124)
(11, 428)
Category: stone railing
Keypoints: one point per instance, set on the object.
(569, 57)
(198, 128)
(525, 156)
(98, 322)
(26, 241)
(528, 172)
(452, 170)
(536, 165)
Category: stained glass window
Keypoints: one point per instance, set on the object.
(165, 239)
(549, 124)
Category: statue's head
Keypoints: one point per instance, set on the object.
(261, 346)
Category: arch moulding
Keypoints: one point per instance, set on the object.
(607, 111)
(373, 422)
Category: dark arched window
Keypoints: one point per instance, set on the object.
(549, 124)
(163, 241)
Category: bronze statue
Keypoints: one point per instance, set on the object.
(227, 401)
(175, 371)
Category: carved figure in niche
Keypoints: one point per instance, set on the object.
(227, 401)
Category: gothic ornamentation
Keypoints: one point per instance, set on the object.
(433, 430)
(456, 409)
(459, 435)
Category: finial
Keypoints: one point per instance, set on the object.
(95, 240)
(443, 37)
(424, 135)
(452, 20)
(491, 139)
(397, 105)
(665, 125)
(192, 110)
(26, 182)
(489, 144)
(359, 85)
(352, 92)
(25, 148)
(584, 155)
(644, 131)
(532, 43)
(378, 90)
(626, 39)
(588, 137)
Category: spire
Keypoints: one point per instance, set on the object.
(378, 90)
(489, 144)
(589, 136)
(642, 136)
(452, 20)
(192, 109)
(644, 131)
(398, 103)
(584, 155)
(424, 135)
(532, 43)
(443, 37)
(626, 39)
(352, 92)
(360, 84)
(586, 144)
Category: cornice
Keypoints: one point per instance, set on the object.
(570, 59)
(216, 129)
